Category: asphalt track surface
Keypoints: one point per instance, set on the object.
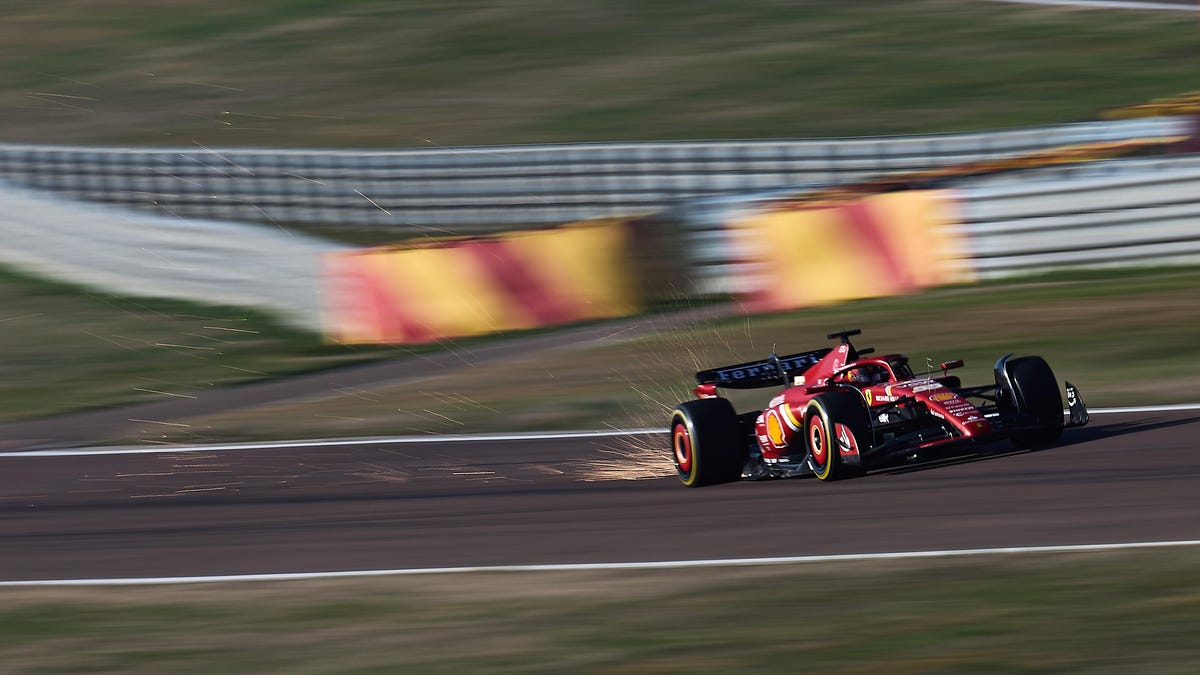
(1128, 477)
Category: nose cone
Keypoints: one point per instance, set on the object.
(980, 427)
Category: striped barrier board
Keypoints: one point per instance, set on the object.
(879, 245)
(465, 287)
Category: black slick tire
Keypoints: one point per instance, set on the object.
(706, 442)
(820, 433)
(1036, 392)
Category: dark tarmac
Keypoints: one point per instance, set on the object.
(1128, 477)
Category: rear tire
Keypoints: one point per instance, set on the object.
(824, 453)
(707, 442)
(1036, 394)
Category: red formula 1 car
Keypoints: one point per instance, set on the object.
(843, 412)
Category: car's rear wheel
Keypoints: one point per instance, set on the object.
(706, 441)
(1037, 398)
(831, 421)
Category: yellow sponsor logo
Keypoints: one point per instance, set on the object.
(870, 397)
(775, 430)
(946, 396)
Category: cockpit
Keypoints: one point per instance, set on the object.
(868, 374)
(881, 371)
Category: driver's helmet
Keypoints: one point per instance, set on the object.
(867, 375)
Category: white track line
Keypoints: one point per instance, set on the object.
(675, 564)
(583, 567)
(333, 442)
(474, 438)
(1107, 4)
(1146, 408)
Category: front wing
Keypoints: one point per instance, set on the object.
(906, 435)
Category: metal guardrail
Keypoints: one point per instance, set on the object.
(477, 190)
(1116, 212)
(1128, 211)
(144, 254)
(1122, 212)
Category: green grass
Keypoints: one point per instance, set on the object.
(1123, 337)
(421, 74)
(1040, 613)
(67, 348)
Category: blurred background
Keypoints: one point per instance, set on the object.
(289, 219)
(200, 194)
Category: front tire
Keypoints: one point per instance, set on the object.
(822, 419)
(1036, 394)
(707, 443)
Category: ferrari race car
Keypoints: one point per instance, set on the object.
(843, 412)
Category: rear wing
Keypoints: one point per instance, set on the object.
(769, 372)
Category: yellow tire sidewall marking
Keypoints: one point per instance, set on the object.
(820, 414)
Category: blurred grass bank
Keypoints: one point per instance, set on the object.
(365, 73)
(1036, 613)
(1125, 337)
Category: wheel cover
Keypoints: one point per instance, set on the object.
(682, 442)
(818, 444)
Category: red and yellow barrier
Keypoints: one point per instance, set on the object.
(879, 245)
(458, 288)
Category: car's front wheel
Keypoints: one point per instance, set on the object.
(1038, 401)
(836, 424)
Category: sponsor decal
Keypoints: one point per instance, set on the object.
(800, 361)
(839, 357)
(923, 385)
(846, 440)
(764, 368)
(775, 430)
(740, 373)
(944, 396)
(870, 397)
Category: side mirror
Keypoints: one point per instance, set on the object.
(951, 365)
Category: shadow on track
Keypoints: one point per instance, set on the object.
(1071, 437)
(1094, 432)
